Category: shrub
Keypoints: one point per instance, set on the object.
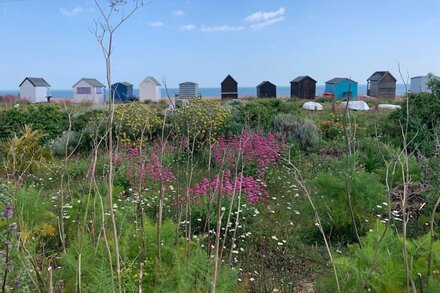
(297, 130)
(423, 122)
(331, 202)
(25, 154)
(259, 114)
(200, 120)
(389, 272)
(135, 122)
(92, 126)
(47, 118)
(69, 139)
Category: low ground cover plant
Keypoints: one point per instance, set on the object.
(258, 195)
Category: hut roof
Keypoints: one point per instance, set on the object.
(301, 78)
(91, 81)
(124, 83)
(229, 78)
(424, 76)
(153, 80)
(378, 75)
(338, 80)
(264, 82)
(188, 82)
(36, 81)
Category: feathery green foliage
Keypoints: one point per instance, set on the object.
(387, 271)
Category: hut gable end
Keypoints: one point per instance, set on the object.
(149, 89)
(382, 84)
(303, 87)
(266, 89)
(35, 89)
(122, 91)
(229, 88)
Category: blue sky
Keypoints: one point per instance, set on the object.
(204, 40)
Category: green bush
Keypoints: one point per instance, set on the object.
(389, 272)
(47, 118)
(297, 130)
(175, 273)
(136, 122)
(258, 114)
(199, 120)
(331, 202)
(423, 122)
(67, 142)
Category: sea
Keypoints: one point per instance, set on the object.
(282, 91)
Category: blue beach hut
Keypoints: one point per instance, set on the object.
(342, 88)
(122, 91)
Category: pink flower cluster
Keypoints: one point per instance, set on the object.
(141, 165)
(253, 148)
(255, 190)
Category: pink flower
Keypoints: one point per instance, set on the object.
(260, 149)
(254, 190)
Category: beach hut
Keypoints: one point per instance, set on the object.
(122, 91)
(382, 84)
(303, 87)
(229, 88)
(35, 89)
(149, 89)
(419, 84)
(188, 90)
(342, 88)
(266, 89)
(89, 90)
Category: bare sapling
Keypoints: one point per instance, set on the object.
(404, 162)
(236, 189)
(219, 216)
(104, 30)
(349, 169)
(163, 143)
(189, 177)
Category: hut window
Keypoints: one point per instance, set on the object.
(99, 90)
(83, 90)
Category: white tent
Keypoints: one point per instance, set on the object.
(389, 106)
(313, 106)
(356, 105)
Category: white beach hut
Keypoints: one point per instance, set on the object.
(89, 90)
(149, 89)
(35, 90)
(419, 84)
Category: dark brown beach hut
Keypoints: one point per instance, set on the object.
(266, 89)
(303, 87)
(382, 84)
(229, 88)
